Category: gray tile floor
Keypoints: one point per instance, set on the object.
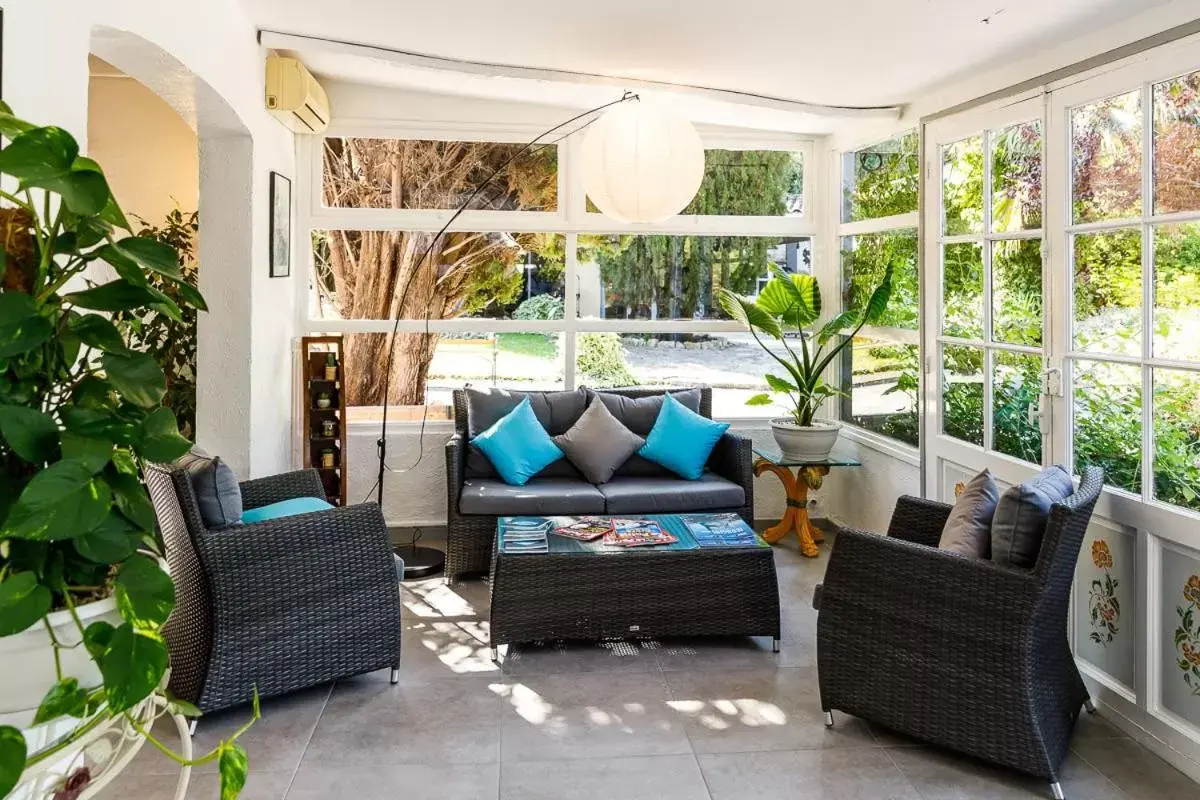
(671, 720)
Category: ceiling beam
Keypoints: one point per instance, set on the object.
(277, 40)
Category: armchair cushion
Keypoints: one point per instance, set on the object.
(285, 508)
(1021, 515)
(218, 496)
(968, 531)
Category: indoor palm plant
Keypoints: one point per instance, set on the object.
(782, 312)
(83, 595)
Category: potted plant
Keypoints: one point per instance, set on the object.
(331, 367)
(785, 307)
(324, 400)
(83, 595)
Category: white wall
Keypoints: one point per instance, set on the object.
(203, 59)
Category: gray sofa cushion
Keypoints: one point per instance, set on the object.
(639, 416)
(1021, 515)
(661, 495)
(218, 496)
(494, 497)
(557, 411)
(968, 530)
(598, 444)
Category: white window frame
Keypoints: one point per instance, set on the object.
(909, 453)
(570, 219)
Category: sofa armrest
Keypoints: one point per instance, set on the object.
(456, 456)
(918, 520)
(286, 486)
(733, 459)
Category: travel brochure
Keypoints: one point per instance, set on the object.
(637, 533)
(527, 534)
(585, 529)
(720, 530)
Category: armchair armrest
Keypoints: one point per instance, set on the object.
(918, 520)
(261, 492)
(732, 458)
(899, 586)
(312, 561)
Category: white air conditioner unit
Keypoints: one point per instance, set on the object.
(295, 97)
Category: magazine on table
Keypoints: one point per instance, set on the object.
(527, 535)
(637, 533)
(719, 530)
(585, 529)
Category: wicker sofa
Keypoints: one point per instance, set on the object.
(957, 651)
(275, 606)
(476, 497)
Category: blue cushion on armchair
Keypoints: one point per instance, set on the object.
(285, 508)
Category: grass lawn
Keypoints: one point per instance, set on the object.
(536, 345)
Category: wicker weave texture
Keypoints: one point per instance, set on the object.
(957, 651)
(640, 594)
(470, 538)
(279, 605)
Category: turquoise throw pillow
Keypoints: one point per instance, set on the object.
(518, 446)
(682, 440)
(285, 508)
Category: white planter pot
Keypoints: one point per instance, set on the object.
(28, 660)
(809, 444)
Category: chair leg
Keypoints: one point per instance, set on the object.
(193, 725)
(395, 674)
(1089, 705)
(828, 719)
(1056, 791)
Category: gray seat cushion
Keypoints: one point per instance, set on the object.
(494, 497)
(218, 495)
(557, 411)
(661, 495)
(639, 416)
(1022, 513)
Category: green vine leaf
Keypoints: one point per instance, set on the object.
(137, 376)
(145, 594)
(21, 327)
(111, 542)
(12, 758)
(31, 434)
(96, 331)
(65, 699)
(159, 439)
(234, 765)
(23, 601)
(132, 666)
(63, 501)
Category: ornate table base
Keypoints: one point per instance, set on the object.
(795, 517)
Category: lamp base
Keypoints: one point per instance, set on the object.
(420, 562)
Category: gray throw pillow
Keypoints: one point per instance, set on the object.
(968, 531)
(218, 495)
(598, 444)
(1021, 515)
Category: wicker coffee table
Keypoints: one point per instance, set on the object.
(592, 591)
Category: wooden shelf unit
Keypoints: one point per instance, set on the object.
(315, 352)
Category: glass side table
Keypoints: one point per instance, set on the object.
(808, 475)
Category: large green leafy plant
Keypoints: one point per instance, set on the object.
(783, 310)
(80, 411)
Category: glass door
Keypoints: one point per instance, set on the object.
(986, 371)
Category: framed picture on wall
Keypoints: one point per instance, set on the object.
(281, 226)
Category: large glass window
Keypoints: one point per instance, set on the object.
(594, 295)
(990, 248)
(880, 372)
(1135, 360)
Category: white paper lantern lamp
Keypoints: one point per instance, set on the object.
(642, 163)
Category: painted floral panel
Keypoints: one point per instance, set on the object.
(1181, 635)
(1104, 602)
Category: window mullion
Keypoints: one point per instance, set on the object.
(1147, 145)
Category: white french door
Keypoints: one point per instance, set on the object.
(986, 375)
(1062, 325)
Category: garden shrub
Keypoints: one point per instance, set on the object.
(601, 360)
(540, 307)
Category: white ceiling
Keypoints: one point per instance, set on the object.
(839, 52)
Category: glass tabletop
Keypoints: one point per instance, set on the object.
(675, 524)
(772, 453)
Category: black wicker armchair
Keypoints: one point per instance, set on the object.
(470, 536)
(279, 605)
(956, 651)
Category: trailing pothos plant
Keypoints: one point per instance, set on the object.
(785, 307)
(80, 411)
